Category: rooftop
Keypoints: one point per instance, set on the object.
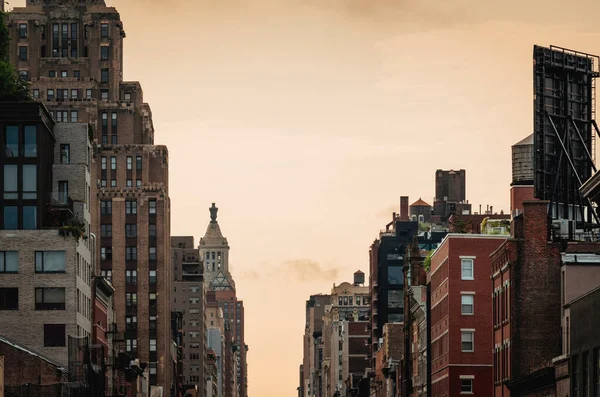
(420, 203)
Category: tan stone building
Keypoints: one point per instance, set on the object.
(72, 53)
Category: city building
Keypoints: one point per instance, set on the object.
(214, 251)
(103, 315)
(45, 263)
(313, 350)
(521, 188)
(189, 298)
(72, 54)
(420, 211)
(461, 315)
(450, 194)
(215, 326)
(345, 337)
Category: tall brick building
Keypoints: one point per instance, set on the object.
(72, 53)
(461, 315)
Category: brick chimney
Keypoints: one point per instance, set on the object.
(404, 215)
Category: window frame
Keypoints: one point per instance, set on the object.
(14, 254)
(49, 306)
(463, 305)
(464, 260)
(42, 253)
(47, 327)
(464, 332)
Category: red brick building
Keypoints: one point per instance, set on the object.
(526, 274)
(461, 315)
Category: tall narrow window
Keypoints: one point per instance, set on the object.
(22, 53)
(36, 93)
(104, 117)
(11, 218)
(88, 93)
(113, 122)
(152, 207)
(11, 182)
(22, 30)
(467, 269)
(74, 39)
(103, 162)
(55, 40)
(131, 276)
(65, 153)
(129, 162)
(131, 230)
(131, 207)
(467, 301)
(29, 181)
(104, 52)
(63, 191)
(74, 116)
(30, 142)
(152, 276)
(11, 141)
(64, 45)
(138, 163)
(106, 207)
(104, 75)
(152, 253)
(50, 94)
(113, 163)
(104, 30)
(467, 341)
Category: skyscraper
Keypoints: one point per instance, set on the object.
(72, 53)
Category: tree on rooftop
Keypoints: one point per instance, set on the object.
(12, 88)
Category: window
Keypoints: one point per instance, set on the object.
(64, 73)
(61, 116)
(131, 230)
(9, 299)
(467, 301)
(131, 207)
(50, 299)
(466, 386)
(65, 154)
(467, 338)
(74, 116)
(152, 322)
(54, 335)
(104, 75)
(113, 121)
(128, 183)
(106, 207)
(29, 217)
(152, 207)
(152, 276)
(104, 30)
(131, 253)
(138, 163)
(11, 141)
(106, 230)
(63, 191)
(10, 217)
(104, 53)
(127, 96)
(395, 275)
(466, 269)
(74, 93)
(74, 34)
(104, 95)
(131, 299)
(106, 274)
(50, 94)
(113, 140)
(151, 230)
(88, 93)
(9, 262)
(152, 345)
(11, 182)
(22, 30)
(113, 163)
(103, 163)
(138, 183)
(106, 253)
(36, 93)
(76, 73)
(152, 253)
(24, 75)
(50, 262)
(22, 53)
(131, 322)
(129, 162)
(131, 276)
(52, 73)
(131, 345)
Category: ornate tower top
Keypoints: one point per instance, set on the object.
(213, 213)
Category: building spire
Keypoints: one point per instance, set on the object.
(213, 213)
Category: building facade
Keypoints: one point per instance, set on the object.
(312, 364)
(461, 315)
(450, 194)
(72, 53)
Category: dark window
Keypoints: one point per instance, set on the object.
(153, 323)
(104, 52)
(466, 386)
(64, 50)
(131, 207)
(131, 299)
(50, 299)
(54, 335)
(24, 75)
(152, 276)
(65, 153)
(22, 30)
(104, 75)
(9, 299)
(11, 141)
(395, 275)
(104, 30)
(36, 93)
(55, 39)
(131, 230)
(10, 217)
(107, 274)
(30, 141)
(106, 207)
(22, 53)
(113, 122)
(76, 74)
(138, 163)
(50, 94)
(9, 262)
(575, 375)
(152, 230)
(51, 73)
(104, 139)
(106, 253)
(50, 262)
(152, 207)
(43, 51)
(131, 253)
(106, 230)
(113, 139)
(29, 217)
(63, 191)
(152, 253)
(131, 322)
(74, 41)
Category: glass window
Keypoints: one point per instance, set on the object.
(104, 30)
(22, 53)
(395, 275)
(153, 348)
(152, 230)
(24, 75)
(152, 276)
(11, 141)
(131, 207)
(9, 299)
(104, 75)
(54, 335)
(30, 141)
(129, 162)
(63, 191)
(9, 262)
(22, 30)
(11, 220)
(395, 299)
(88, 93)
(74, 116)
(131, 276)
(466, 338)
(50, 93)
(152, 253)
(29, 181)
(50, 262)
(131, 299)
(29, 217)
(104, 53)
(152, 208)
(467, 304)
(11, 182)
(127, 96)
(113, 163)
(138, 163)
(131, 253)
(65, 154)
(103, 162)
(36, 93)
(106, 230)
(76, 73)
(50, 299)
(138, 183)
(74, 93)
(64, 73)
(467, 269)
(52, 73)
(466, 386)
(106, 207)
(131, 230)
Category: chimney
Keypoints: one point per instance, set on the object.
(404, 216)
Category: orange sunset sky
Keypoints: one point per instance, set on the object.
(305, 121)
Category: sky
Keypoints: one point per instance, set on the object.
(306, 120)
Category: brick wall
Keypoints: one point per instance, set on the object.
(518, 195)
(21, 367)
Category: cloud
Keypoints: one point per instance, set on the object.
(251, 275)
(307, 270)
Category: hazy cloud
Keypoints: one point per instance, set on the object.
(308, 270)
(251, 275)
